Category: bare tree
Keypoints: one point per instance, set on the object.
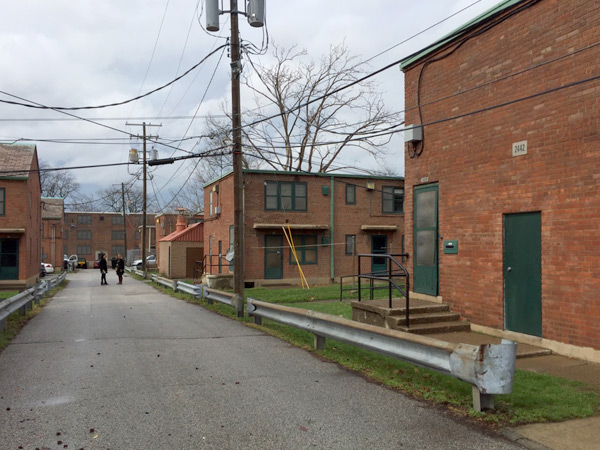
(314, 121)
(57, 183)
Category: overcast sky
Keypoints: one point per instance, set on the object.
(80, 53)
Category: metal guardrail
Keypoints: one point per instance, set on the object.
(164, 282)
(197, 290)
(488, 368)
(24, 300)
(228, 298)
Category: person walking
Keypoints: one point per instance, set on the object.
(120, 268)
(103, 269)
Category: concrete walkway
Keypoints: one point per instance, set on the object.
(580, 434)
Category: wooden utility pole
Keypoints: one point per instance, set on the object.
(238, 181)
(124, 219)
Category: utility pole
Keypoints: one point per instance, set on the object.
(124, 218)
(255, 13)
(144, 204)
(238, 176)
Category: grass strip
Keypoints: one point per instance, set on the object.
(536, 397)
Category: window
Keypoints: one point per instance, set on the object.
(306, 249)
(285, 196)
(350, 194)
(118, 220)
(350, 244)
(84, 250)
(392, 199)
(2, 201)
(118, 250)
(84, 220)
(118, 235)
(210, 203)
(84, 234)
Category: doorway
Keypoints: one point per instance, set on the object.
(378, 245)
(274, 257)
(425, 217)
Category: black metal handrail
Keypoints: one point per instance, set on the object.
(388, 276)
(208, 263)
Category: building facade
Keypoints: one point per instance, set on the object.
(502, 188)
(88, 234)
(20, 217)
(53, 229)
(329, 218)
(181, 252)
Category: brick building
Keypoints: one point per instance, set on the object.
(502, 189)
(20, 217)
(166, 223)
(332, 217)
(53, 229)
(88, 234)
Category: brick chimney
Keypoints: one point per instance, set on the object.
(181, 223)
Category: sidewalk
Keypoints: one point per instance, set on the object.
(570, 435)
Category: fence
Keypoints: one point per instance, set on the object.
(488, 368)
(24, 300)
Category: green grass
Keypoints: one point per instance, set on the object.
(536, 397)
(7, 294)
(315, 293)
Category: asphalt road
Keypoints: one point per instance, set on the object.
(125, 367)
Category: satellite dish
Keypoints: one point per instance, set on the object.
(229, 256)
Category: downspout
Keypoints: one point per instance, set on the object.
(331, 227)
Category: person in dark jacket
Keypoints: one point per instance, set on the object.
(103, 269)
(120, 268)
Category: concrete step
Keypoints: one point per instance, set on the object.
(420, 309)
(440, 327)
(427, 317)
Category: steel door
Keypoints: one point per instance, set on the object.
(274, 257)
(523, 273)
(9, 259)
(425, 239)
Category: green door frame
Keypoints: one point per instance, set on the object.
(273, 264)
(425, 239)
(523, 273)
(378, 264)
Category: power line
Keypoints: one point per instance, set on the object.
(36, 105)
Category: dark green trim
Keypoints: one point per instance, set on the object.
(305, 174)
(278, 195)
(3, 202)
(352, 189)
(301, 249)
(393, 199)
(460, 31)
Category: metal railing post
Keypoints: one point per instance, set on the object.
(359, 277)
(390, 282)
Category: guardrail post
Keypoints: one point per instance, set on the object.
(47, 293)
(174, 285)
(482, 401)
(3, 324)
(238, 302)
(320, 342)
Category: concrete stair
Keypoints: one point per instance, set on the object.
(425, 317)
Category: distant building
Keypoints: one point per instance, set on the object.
(53, 229)
(332, 218)
(20, 217)
(503, 191)
(88, 234)
(166, 224)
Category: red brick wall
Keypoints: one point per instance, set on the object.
(102, 228)
(53, 242)
(479, 179)
(348, 220)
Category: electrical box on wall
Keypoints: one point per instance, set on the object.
(413, 133)
(451, 247)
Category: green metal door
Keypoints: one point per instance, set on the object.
(523, 273)
(274, 257)
(379, 245)
(9, 259)
(425, 216)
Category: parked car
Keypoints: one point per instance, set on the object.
(49, 267)
(82, 263)
(42, 270)
(96, 264)
(150, 262)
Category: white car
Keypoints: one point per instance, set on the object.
(150, 262)
(49, 268)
